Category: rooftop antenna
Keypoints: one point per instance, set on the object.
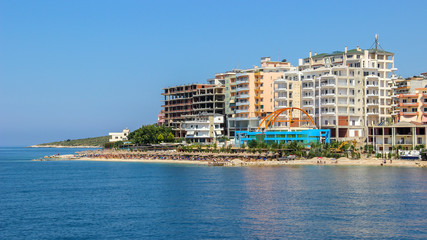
(376, 43)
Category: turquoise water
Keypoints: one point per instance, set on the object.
(116, 200)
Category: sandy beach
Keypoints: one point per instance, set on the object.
(177, 158)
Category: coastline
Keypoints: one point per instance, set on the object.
(237, 162)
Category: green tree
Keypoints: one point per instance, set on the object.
(160, 138)
(170, 137)
(149, 134)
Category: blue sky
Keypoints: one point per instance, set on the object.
(76, 69)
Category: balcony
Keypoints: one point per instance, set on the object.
(372, 95)
(280, 89)
(372, 113)
(328, 85)
(328, 113)
(308, 87)
(372, 85)
(308, 80)
(281, 98)
(242, 96)
(239, 81)
(308, 106)
(372, 104)
(242, 103)
(307, 96)
(281, 106)
(408, 104)
(238, 89)
(328, 103)
(242, 111)
(328, 94)
(408, 113)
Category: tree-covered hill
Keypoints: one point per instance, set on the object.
(95, 142)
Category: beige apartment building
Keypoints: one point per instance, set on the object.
(287, 94)
(344, 91)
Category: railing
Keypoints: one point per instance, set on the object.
(242, 110)
(328, 103)
(242, 103)
(239, 81)
(238, 89)
(243, 96)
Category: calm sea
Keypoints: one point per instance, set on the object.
(106, 200)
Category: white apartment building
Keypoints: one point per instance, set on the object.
(344, 91)
(204, 127)
(119, 136)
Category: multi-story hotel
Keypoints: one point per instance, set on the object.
(346, 91)
(249, 93)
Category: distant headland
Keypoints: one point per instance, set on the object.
(95, 142)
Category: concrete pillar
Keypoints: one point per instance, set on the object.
(383, 140)
(414, 135)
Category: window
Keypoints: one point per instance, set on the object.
(414, 100)
(414, 110)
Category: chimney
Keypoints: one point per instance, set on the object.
(358, 49)
(309, 54)
(300, 62)
(315, 54)
(345, 49)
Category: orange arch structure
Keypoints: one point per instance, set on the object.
(274, 115)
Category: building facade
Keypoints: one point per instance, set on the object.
(249, 93)
(178, 102)
(204, 127)
(345, 91)
(119, 136)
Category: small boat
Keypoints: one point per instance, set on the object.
(410, 154)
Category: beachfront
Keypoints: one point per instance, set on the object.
(225, 159)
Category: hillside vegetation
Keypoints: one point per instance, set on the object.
(95, 141)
